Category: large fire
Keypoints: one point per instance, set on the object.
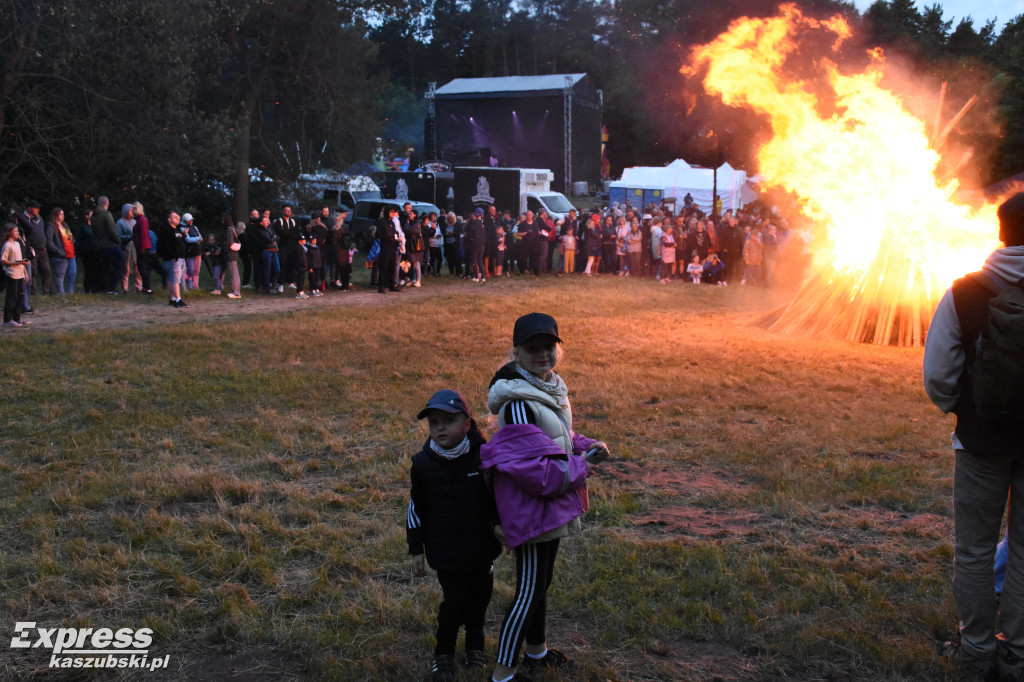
(864, 168)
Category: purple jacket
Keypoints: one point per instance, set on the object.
(534, 483)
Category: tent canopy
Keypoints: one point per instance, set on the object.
(679, 178)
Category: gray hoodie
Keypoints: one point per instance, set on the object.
(943, 351)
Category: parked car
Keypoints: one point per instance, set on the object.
(364, 219)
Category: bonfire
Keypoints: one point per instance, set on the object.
(865, 170)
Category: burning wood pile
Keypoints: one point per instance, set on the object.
(890, 239)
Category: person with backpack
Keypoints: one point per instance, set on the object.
(974, 367)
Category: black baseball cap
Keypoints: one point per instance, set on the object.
(446, 400)
(534, 324)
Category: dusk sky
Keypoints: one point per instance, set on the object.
(979, 10)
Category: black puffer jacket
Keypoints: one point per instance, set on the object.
(451, 511)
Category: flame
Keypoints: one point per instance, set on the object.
(862, 165)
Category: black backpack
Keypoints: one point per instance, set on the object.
(997, 370)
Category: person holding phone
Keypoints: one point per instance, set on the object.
(14, 269)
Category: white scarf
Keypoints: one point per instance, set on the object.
(453, 453)
(555, 388)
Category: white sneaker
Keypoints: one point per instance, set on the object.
(280, 288)
(301, 294)
(291, 285)
(230, 295)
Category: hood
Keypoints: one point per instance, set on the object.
(1008, 263)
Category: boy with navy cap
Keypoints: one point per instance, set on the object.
(451, 516)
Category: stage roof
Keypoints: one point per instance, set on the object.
(461, 87)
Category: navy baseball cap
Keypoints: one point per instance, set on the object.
(446, 400)
(534, 324)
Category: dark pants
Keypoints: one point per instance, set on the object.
(535, 567)
(608, 257)
(451, 254)
(41, 273)
(144, 267)
(89, 262)
(14, 301)
(111, 268)
(387, 260)
(465, 596)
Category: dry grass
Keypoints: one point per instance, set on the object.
(779, 508)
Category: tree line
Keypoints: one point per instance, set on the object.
(185, 104)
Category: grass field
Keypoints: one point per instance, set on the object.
(777, 508)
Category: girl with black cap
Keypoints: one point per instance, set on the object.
(537, 469)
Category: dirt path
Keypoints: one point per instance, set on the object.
(133, 311)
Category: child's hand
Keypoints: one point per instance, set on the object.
(600, 452)
(499, 533)
(418, 566)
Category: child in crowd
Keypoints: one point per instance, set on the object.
(213, 255)
(451, 516)
(537, 469)
(668, 254)
(568, 245)
(14, 270)
(695, 269)
(315, 264)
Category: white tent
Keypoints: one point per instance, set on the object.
(679, 178)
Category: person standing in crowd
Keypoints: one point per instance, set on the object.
(491, 222)
(125, 231)
(415, 246)
(608, 237)
(770, 240)
(144, 249)
(593, 243)
(634, 246)
(343, 253)
(537, 470)
(213, 256)
(288, 238)
(232, 247)
(731, 241)
(656, 247)
(265, 248)
(250, 257)
(193, 251)
(668, 254)
(389, 229)
(568, 246)
(85, 248)
(171, 245)
(60, 247)
(33, 232)
(14, 263)
(529, 237)
(988, 469)
(452, 240)
(753, 254)
(476, 231)
(435, 240)
(108, 246)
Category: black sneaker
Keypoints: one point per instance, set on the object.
(553, 659)
(171, 302)
(984, 670)
(475, 659)
(1011, 667)
(181, 303)
(442, 669)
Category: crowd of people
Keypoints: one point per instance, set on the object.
(307, 257)
(740, 247)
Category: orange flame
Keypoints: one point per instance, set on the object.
(864, 170)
